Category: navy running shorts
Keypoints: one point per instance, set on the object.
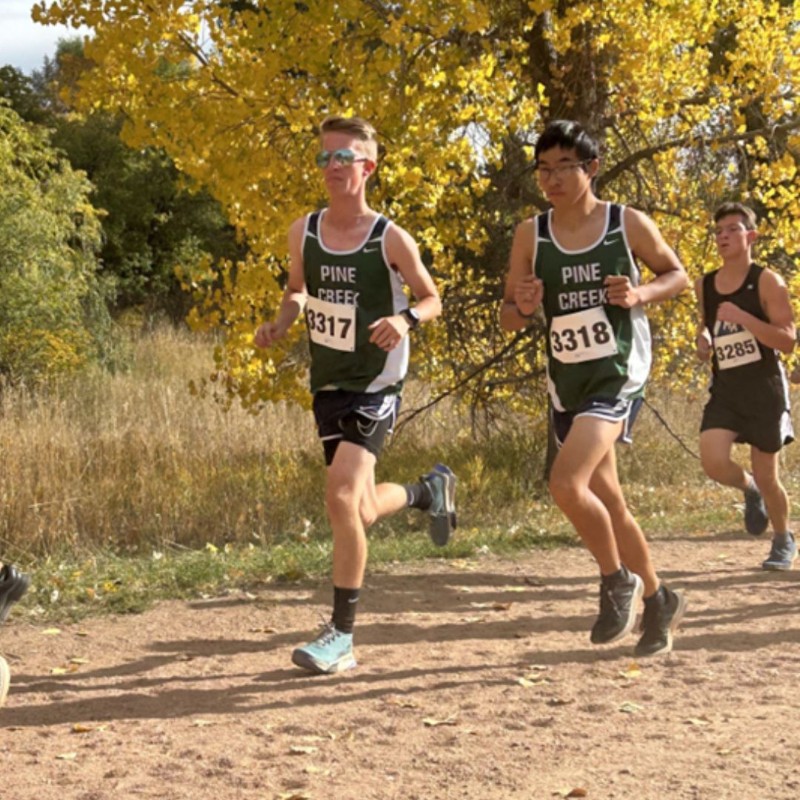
(609, 408)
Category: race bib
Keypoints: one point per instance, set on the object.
(583, 336)
(331, 325)
(736, 349)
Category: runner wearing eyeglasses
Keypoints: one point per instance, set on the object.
(578, 261)
(348, 266)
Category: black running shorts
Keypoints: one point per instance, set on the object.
(765, 428)
(363, 419)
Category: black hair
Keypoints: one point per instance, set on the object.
(567, 134)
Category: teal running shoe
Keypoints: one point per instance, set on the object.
(330, 652)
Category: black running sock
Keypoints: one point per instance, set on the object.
(344, 608)
(419, 495)
(659, 594)
(614, 577)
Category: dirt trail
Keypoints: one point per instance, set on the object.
(476, 680)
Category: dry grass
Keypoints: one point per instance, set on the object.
(133, 462)
(133, 458)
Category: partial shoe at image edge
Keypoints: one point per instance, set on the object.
(13, 585)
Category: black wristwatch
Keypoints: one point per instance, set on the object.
(412, 317)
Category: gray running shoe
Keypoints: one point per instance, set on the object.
(442, 483)
(662, 615)
(619, 601)
(756, 518)
(782, 553)
(13, 584)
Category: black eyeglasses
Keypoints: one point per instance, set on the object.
(344, 158)
(545, 173)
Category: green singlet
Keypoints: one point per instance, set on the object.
(347, 291)
(594, 350)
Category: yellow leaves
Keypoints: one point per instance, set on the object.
(448, 100)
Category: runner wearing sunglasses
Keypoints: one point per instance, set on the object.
(348, 266)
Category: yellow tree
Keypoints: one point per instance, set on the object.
(695, 101)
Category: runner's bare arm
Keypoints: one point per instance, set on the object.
(403, 255)
(647, 244)
(523, 290)
(294, 296)
(703, 339)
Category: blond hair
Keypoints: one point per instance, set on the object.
(355, 126)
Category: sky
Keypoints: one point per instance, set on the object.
(23, 42)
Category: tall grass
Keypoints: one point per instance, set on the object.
(131, 462)
(132, 459)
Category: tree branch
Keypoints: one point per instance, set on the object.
(682, 141)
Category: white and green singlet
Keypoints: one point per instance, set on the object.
(347, 291)
(594, 349)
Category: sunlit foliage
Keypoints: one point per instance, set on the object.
(695, 102)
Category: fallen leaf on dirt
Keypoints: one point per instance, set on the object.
(434, 723)
(79, 661)
(302, 750)
(64, 670)
(632, 671)
(535, 679)
(401, 702)
(629, 708)
(79, 727)
(494, 606)
(51, 631)
(67, 756)
(577, 791)
(81, 633)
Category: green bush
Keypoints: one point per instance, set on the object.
(53, 312)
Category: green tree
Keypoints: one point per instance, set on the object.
(156, 223)
(53, 312)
